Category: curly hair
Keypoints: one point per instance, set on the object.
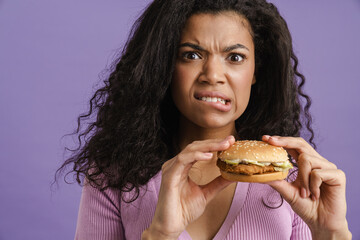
(136, 119)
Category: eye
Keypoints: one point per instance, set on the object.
(191, 55)
(235, 57)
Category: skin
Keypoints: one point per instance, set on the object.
(215, 69)
(317, 195)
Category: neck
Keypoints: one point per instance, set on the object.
(189, 132)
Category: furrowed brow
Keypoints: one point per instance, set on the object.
(194, 46)
(236, 46)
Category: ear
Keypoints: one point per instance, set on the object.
(253, 80)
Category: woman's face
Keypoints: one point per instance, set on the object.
(214, 70)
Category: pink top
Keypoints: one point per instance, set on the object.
(102, 215)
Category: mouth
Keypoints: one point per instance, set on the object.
(212, 97)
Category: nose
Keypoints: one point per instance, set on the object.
(213, 72)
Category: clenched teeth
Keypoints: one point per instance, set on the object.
(210, 99)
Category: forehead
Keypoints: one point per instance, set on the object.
(221, 27)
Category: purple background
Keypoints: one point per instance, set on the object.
(51, 53)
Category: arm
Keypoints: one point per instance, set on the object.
(318, 193)
(99, 215)
(181, 201)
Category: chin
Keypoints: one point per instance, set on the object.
(206, 119)
(213, 122)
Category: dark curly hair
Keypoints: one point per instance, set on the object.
(136, 119)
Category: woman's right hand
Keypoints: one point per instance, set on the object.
(181, 201)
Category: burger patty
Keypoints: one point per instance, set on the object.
(247, 169)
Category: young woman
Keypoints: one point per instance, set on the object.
(194, 76)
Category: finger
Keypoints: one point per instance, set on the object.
(292, 143)
(211, 189)
(179, 166)
(316, 182)
(331, 177)
(211, 145)
(305, 168)
(293, 153)
(203, 150)
(205, 146)
(184, 161)
(306, 163)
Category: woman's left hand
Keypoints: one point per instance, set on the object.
(318, 193)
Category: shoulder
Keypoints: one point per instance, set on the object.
(137, 215)
(93, 197)
(99, 214)
(118, 201)
(105, 213)
(149, 190)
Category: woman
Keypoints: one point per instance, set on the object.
(193, 77)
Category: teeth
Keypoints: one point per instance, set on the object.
(210, 99)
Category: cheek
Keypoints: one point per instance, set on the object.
(183, 78)
(242, 88)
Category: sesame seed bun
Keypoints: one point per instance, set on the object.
(246, 152)
(254, 150)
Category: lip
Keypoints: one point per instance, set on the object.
(201, 94)
(217, 105)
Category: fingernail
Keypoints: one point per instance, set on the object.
(313, 197)
(228, 138)
(267, 136)
(274, 138)
(208, 155)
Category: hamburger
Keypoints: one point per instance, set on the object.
(253, 161)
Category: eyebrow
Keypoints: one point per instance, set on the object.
(199, 48)
(236, 46)
(194, 46)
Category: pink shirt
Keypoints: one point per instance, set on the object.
(102, 215)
